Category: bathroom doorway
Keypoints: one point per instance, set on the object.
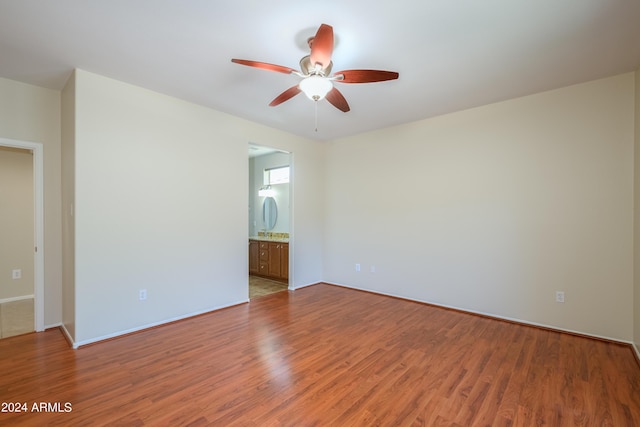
(270, 185)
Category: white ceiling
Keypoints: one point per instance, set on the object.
(451, 54)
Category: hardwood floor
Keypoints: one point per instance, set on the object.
(325, 356)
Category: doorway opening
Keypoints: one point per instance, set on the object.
(22, 260)
(270, 201)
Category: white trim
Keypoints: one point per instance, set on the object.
(490, 315)
(38, 193)
(66, 333)
(78, 344)
(54, 325)
(292, 234)
(311, 284)
(12, 299)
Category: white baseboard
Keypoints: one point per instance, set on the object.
(68, 335)
(12, 299)
(293, 288)
(78, 344)
(494, 316)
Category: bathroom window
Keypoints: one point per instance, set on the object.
(278, 175)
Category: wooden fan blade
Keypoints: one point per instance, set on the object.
(322, 46)
(366, 76)
(285, 96)
(336, 99)
(264, 66)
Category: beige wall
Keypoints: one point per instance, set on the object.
(30, 113)
(68, 205)
(161, 191)
(16, 223)
(495, 209)
(636, 324)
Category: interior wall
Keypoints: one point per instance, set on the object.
(30, 113)
(496, 208)
(636, 324)
(16, 224)
(259, 164)
(68, 206)
(161, 204)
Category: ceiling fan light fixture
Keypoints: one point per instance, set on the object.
(315, 87)
(315, 70)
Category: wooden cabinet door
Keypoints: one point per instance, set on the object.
(254, 257)
(263, 256)
(269, 259)
(274, 260)
(284, 261)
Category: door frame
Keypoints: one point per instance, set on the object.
(38, 194)
(272, 149)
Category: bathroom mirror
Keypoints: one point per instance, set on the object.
(269, 213)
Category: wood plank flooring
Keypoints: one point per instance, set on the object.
(324, 356)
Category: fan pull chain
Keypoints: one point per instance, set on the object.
(316, 104)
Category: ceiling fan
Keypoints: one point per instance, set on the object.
(315, 70)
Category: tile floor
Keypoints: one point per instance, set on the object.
(259, 286)
(16, 318)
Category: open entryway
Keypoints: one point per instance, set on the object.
(270, 184)
(21, 228)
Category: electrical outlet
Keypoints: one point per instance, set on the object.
(357, 267)
(16, 274)
(559, 296)
(373, 268)
(143, 294)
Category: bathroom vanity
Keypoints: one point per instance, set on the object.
(269, 258)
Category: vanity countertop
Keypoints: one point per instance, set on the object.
(270, 239)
